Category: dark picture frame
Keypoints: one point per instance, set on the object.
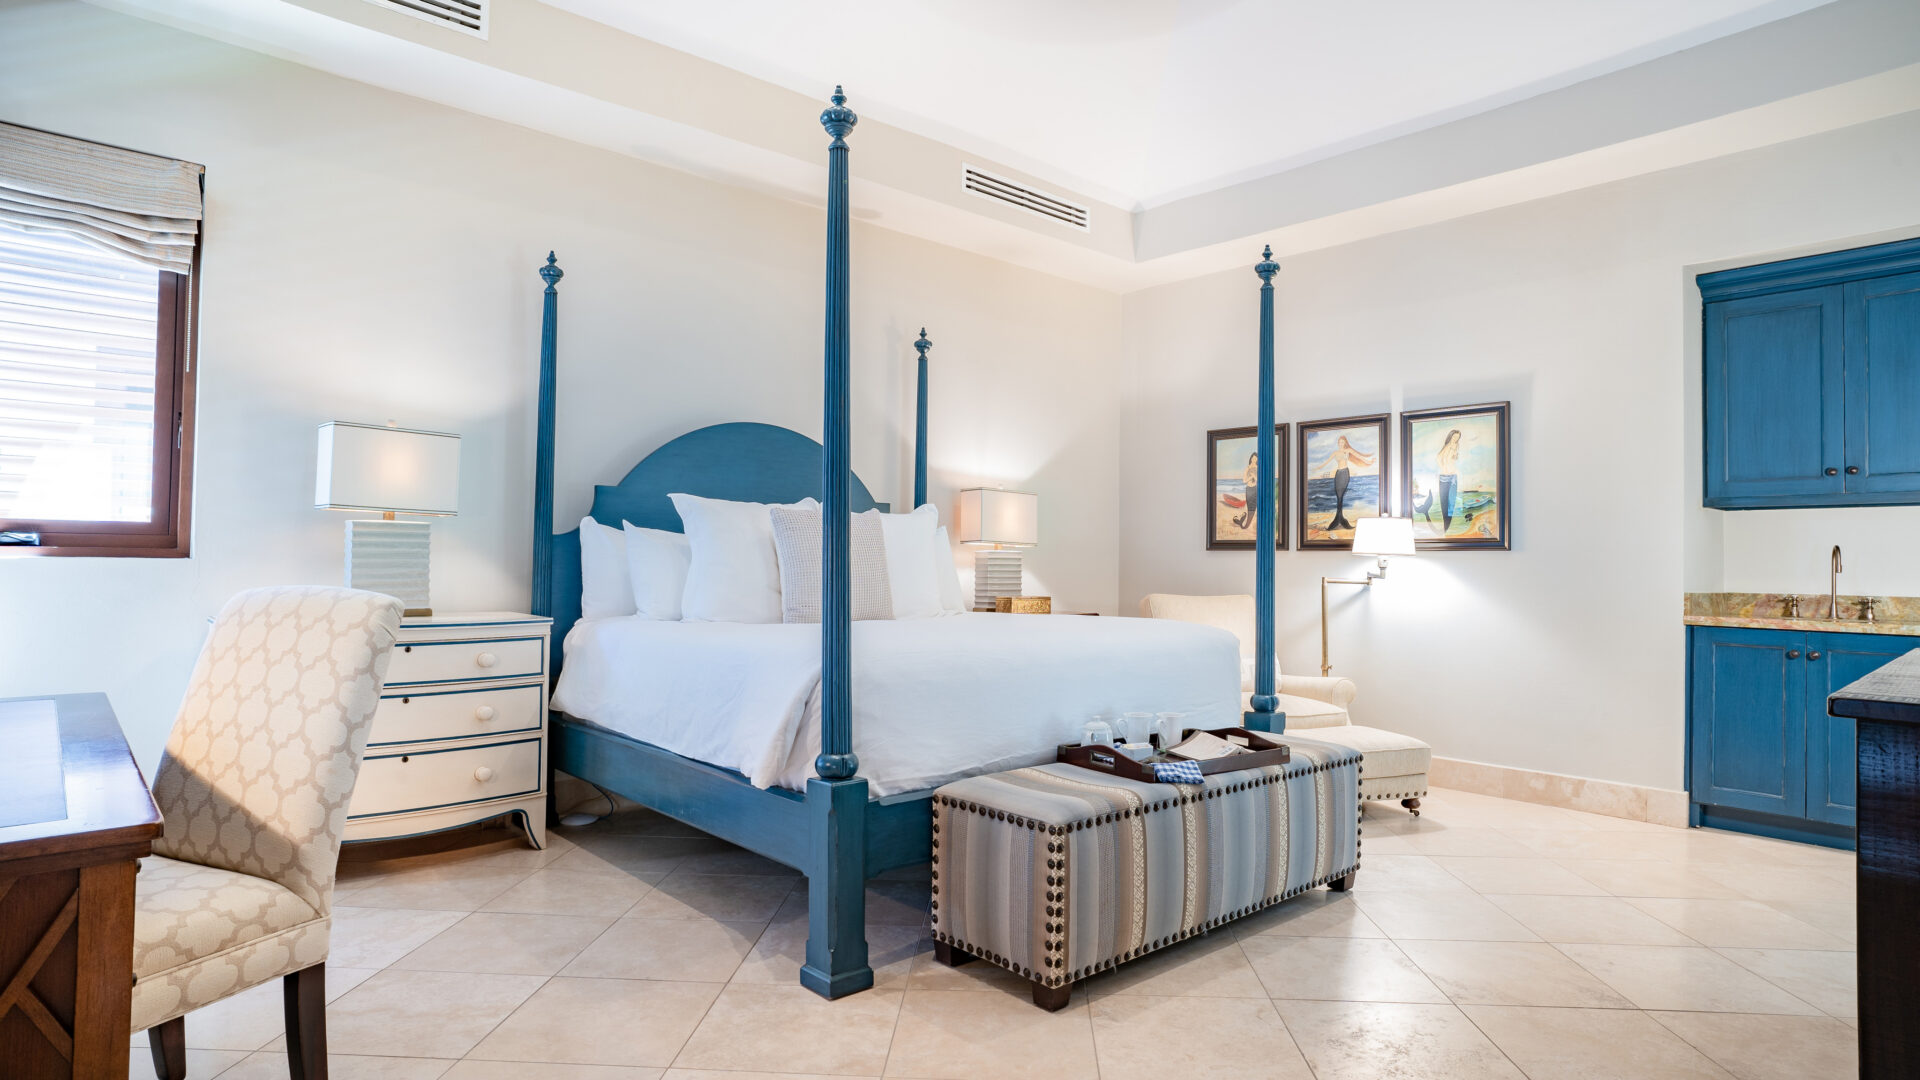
(1218, 500)
(1379, 427)
(1487, 516)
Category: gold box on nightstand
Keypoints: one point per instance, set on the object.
(1023, 605)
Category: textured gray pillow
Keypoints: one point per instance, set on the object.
(796, 539)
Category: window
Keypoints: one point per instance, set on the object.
(97, 300)
(95, 399)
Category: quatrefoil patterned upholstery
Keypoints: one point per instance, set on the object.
(254, 788)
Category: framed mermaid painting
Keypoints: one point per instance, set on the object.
(1343, 477)
(1456, 477)
(1232, 492)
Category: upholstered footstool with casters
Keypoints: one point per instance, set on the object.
(1056, 872)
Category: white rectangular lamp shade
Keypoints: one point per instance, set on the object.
(390, 471)
(998, 520)
(992, 516)
(1383, 536)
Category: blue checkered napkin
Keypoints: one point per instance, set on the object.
(1178, 772)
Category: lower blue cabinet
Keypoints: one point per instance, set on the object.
(1764, 756)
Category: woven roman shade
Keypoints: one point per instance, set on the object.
(146, 207)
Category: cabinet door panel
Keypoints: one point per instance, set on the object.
(1749, 719)
(1883, 384)
(1775, 394)
(1831, 759)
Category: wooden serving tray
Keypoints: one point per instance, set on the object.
(1106, 759)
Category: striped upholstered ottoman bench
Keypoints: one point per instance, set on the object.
(1056, 872)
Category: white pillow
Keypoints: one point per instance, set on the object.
(605, 589)
(733, 573)
(953, 599)
(909, 540)
(657, 564)
(796, 537)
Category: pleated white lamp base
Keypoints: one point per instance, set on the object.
(391, 557)
(995, 574)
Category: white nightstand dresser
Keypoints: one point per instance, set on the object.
(461, 732)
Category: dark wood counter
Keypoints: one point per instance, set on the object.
(1886, 708)
(75, 816)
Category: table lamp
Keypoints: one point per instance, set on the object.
(1000, 523)
(389, 470)
(1376, 536)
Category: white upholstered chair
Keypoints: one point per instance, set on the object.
(1396, 765)
(254, 788)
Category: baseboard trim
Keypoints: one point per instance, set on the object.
(1609, 797)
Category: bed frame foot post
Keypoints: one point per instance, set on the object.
(836, 889)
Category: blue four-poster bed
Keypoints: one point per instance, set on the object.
(834, 833)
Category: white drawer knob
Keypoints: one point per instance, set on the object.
(483, 774)
(486, 659)
(483, 714)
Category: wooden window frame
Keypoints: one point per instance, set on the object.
(168, 531)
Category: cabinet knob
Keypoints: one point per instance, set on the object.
(1813, 656)
(486, 659)
(1793, 654)
(1832, 471)
(483, 774)
(483, 714)
(1853, 470)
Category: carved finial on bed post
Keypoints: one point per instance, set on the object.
(551, 273)
(836, 760)
(920, 427)
(1266, 516)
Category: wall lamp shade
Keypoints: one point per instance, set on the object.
(1000, 523)
(992, 516)
(388, 470)
(1383, 536)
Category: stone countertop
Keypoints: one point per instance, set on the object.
(1897, 616)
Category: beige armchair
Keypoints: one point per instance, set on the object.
(254, 788)
(1395, 765)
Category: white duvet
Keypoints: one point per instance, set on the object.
(933, 699)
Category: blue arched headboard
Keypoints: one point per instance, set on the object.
(743, 462)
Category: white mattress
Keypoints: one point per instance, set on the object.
(933, 699)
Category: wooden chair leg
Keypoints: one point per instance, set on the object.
(1412, 805)
(1051, 998)
(305, 995)
(1343, 882)
(950, 956)
(168, 1042)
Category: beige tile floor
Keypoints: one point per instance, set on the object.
(1484, 939)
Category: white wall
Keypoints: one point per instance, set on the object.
(1564, 654)
(370, 256)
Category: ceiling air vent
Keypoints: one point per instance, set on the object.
(1021, 197)
(468, 16)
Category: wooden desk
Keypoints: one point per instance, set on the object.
(75, 817)
(1886, 707)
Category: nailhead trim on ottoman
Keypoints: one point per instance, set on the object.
(1056, 872)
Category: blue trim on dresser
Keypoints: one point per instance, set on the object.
(411, 645)
(539, 709)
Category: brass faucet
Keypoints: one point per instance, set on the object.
(1866, 607)
(1833, 584)
(1791, 605)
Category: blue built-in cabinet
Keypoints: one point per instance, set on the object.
(1763, 755)
(1812, 380)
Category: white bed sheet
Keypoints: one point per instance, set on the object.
(933, 699)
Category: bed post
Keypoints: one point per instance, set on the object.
(836, 798)
(920, 427)
(543, 447)
(1264, 701)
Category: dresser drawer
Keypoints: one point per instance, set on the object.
(396, 783)
(417, 663)
(427, 715)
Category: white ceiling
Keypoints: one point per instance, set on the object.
(1141, 102)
